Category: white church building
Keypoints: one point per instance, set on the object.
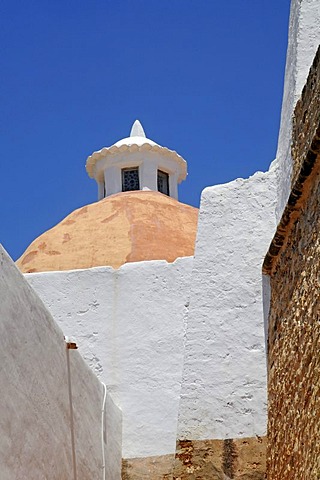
(134, 346)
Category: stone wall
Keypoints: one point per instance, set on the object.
(294, 321)
(148, 468)
(294, 361)
(242, 458)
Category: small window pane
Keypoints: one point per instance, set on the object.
(130, 179)
(163, 182)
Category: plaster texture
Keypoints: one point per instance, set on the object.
(223, 392)
(303, 41)
(148, 162)
(35, 420)
(129, 324)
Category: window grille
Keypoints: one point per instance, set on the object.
(163, 182)
(130, 179)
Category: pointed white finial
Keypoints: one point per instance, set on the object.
(137, 130)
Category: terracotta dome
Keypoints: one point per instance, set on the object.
(125, 227)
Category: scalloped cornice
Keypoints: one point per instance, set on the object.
(115, 150)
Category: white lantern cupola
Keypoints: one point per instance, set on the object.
(136, 163)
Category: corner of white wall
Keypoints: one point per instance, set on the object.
(303, 41)
(129, 324)
(41, 380)
(223, 393)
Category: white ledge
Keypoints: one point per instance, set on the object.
(134, 147)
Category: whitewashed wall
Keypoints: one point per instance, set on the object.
(35, 427)
(113, 440)
(129, 324)
(148, 162)
(224, 379)
(303, 41)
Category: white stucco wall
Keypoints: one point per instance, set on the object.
(112, 439)
(35, 425)
(132, 324)
(303, 41)
(223, 391)
(224, 379)
(129, 324)
(148, 163)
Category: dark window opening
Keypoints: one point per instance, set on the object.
(130, 179)
(163, 182)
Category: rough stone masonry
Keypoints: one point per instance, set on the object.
(294, 321)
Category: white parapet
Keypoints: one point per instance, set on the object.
(224, 383)
(129, 324)
(51, 402)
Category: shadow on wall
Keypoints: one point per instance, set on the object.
(61, 433)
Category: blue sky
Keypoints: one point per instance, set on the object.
(205, 78)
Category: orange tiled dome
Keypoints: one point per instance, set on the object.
(125, 227)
